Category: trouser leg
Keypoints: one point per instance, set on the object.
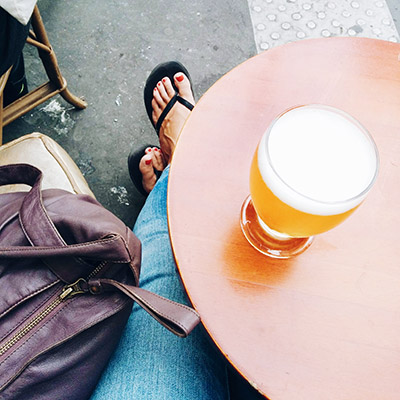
(151, 363)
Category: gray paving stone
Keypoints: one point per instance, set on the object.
(276, 22)
(106, 49)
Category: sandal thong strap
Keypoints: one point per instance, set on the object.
(168, 107)
(185, 103)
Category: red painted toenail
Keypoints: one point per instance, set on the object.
(180, 78)
(159, 83)
(164, 80)
(148, 162)
(155, 89)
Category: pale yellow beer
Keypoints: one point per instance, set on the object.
(312, 168)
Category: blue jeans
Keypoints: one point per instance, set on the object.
(150, 362)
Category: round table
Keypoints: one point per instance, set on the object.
(325, 324)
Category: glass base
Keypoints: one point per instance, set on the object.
(265, 239)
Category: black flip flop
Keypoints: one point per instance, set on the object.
(168, 69)
(133, 166)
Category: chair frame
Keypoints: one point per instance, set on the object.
(56, 85)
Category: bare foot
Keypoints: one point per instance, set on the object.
(153, 159)
(173, 122)
(170, 128)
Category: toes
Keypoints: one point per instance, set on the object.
(155, 105)
(163, 92)
(158, 159)
(157, 110)
(157, 98)
(152, 159)
(168, 87)
(145, 164)
(146, 168)
(183, 85)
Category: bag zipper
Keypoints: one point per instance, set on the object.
(67, 292)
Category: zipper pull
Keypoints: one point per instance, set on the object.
(73, 289)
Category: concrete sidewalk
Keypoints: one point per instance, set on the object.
(106, 49)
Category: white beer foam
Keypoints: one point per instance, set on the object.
(318, 160)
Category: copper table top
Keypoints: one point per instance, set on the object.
(326, 324)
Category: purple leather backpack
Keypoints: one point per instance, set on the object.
(69, 271)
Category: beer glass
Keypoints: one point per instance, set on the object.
(313, 167)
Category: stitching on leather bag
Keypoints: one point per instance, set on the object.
(69, 245)
(164, 299)
(23, 344)
(54, 229)
(173, 302)
(77, 245)
(9, 220)
(85, 327)
(162, 314)
(33, 311)
(48, 218)
(166, 315)
(135, 271)
(66, 305)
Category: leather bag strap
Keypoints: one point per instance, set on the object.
(176, 317)
(32, 207)
(43, 235)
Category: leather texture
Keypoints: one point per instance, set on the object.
(69, 270)
(60, 171)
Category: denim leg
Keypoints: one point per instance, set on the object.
(150, 362)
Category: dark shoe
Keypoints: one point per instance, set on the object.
(13, 91)
(133, 166)
(168, 69)
(16, 85)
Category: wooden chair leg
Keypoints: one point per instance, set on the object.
(49, 60)
(56, 84)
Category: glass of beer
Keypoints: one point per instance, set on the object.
(313, 167)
